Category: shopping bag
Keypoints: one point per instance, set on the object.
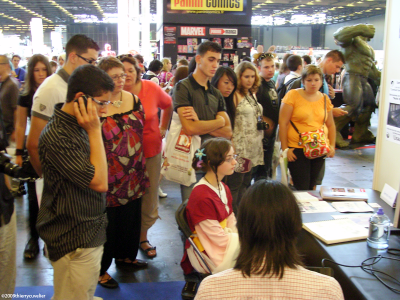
(179, 152)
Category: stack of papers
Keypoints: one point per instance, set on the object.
(352, 207)
(343, 193)
(315, 207)
(305, 197)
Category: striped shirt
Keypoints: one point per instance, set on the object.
(71, 214)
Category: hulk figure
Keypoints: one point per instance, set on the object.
(357, 92)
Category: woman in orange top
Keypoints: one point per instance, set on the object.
(305, 107)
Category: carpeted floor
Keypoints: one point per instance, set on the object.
(133, 291)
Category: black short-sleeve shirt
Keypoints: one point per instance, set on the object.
(268, 98)
(206, 103)
(26, 101)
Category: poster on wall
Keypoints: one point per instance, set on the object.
(169, 35)
(230, 7)
(393, 118)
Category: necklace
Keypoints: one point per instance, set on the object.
(210, 183)
(118, 102)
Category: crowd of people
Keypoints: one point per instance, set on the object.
(96, 133)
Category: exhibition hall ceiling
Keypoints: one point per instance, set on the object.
(17, 14)
(335, 11)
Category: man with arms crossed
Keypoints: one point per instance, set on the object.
(200, 106)
(80, 50)
(72, 219)
(202, 111)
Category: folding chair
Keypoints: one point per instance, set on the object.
(180, 217)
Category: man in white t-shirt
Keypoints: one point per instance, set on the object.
(80, 50)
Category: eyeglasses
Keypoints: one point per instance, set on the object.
(265, 55)
(229, 160)
(124, 55)
(89, 61)
(117, 77)
(101, 103)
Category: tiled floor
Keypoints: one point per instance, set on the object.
(348, 168)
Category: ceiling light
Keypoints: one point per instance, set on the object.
(27, 10)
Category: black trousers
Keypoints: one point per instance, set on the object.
(305, 171)
(265, 171)
(123, 233)
(33, 209)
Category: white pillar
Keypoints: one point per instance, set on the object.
(146, 18)
(37, 35)
(56, 40)
(128, 25)
(386, 163)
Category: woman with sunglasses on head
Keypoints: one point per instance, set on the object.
(247, 134)
(122, 129)
(153, 98)
(165, 75)
(225, 81)
(305, 110)
(38, 70)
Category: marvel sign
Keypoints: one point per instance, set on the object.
(223, 31)
(193, 31)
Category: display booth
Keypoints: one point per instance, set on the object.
(183, 28)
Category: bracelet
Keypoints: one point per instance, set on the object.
(19, 152)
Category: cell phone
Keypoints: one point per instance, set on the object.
(84, 100)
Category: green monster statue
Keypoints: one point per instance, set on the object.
(357, 91)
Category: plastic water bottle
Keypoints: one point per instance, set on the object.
(379, 230)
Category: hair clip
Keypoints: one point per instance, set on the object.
(200, 153)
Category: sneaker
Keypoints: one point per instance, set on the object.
(161, 194)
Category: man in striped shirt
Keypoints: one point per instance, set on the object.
(72, 220)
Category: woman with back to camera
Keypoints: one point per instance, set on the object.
(225, 81)
(209, 210)
(38, 70)
(269, 265)
(309, 110)
(122, 129)
(165, 75)
(283, 71)
(152, 97)
(246, 137)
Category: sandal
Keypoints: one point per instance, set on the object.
(108, 282)
(146, 251)
(137, 263)
(31, 248)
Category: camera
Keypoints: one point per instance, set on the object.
(261, 125)
(24, 173)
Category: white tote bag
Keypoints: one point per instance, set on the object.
(179, 152)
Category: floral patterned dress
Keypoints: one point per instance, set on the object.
(123, 141)
(246, 139)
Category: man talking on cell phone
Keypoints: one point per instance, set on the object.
(72, 219)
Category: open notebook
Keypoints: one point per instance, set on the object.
(336, 231)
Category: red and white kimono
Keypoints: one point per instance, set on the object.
(213, 223)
